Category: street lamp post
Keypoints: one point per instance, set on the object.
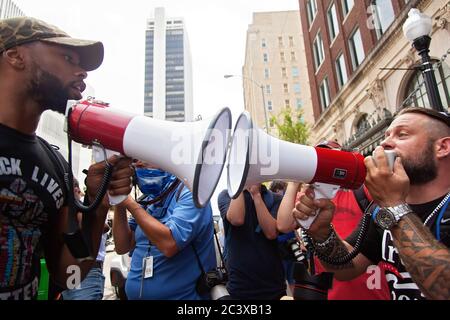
(417, 30)
(266, 117)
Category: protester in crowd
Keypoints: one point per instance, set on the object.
(410, 231)
(171, 239)
(253, 259)
(347, 216)
(41, 68)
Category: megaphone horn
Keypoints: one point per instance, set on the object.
(193, 151)
(256, 157)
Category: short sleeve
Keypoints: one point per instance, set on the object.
(371, 247)
(223, 202)
(186, 220)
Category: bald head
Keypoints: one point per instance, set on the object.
(436, 123)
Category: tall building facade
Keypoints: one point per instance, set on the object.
(168, 92)
(8, 9)
(362, 68)
(275, 73)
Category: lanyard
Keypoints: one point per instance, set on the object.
(439, 219)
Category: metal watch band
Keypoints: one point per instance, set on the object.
(399, 211)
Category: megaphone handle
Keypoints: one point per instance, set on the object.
(322, 191)
(99, 155)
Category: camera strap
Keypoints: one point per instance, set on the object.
(222, 258)
(361, 198)
(198, 259)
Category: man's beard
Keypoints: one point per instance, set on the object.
(48, 91)
(422, 169)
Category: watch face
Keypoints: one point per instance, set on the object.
(385, 219)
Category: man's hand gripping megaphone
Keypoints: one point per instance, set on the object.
(314, 210)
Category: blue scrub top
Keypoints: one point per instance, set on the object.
(174, 278)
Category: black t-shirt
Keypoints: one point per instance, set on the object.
(31, 190)
(379, 247)
(254, 262)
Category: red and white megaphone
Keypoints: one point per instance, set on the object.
(193, 151)
(256, 157)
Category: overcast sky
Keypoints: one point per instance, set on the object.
(216, 29)
(217, 33)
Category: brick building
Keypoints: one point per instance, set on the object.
(347, 45)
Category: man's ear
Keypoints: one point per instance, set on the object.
(14, 57)
(443, 148)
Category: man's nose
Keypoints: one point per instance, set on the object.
(387, 143)
(81, 73)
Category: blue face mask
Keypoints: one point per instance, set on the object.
(153, 182)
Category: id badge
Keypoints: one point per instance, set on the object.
(147, 267)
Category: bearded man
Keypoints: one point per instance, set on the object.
(41, 68)
(410, 231)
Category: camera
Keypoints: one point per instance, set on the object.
(214, 283)
(308, 287)
(296, 251)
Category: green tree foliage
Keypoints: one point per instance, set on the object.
(290, 126)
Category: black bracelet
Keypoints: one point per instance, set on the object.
(328, 244)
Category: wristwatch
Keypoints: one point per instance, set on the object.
(388, 217)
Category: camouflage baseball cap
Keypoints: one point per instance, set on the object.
(17, 31)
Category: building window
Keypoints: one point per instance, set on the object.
(324, 94)
(263, 43)
(266, 57)
(282, 57)
(287, 103)
(295, 72)
(311, 8)
(291, 41)
(383, 15)
(341, 71)
(297, 87)
(333, 22)
(280, 42)
(319, 53)
(356, 49)
(283, 72)
(347, 6)
(286, 88)
(293, 57)
(266, 73)
(269, 105)
(299, 103)
(268, 89)
(420, 98)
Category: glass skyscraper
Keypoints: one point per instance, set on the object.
(8, 9)
(168, 71)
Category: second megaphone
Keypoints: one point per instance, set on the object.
(193, 151)
(256, 157)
